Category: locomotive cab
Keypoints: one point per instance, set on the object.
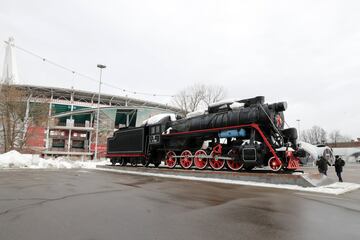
(154, 134)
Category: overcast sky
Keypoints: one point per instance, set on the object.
(304, 52)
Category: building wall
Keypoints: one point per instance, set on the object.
(345, 145)
(35, 141)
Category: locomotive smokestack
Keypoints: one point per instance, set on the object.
(279, 107)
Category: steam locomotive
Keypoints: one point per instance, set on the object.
(240, 134)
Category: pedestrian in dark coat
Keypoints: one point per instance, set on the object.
(322, 164)
(339, 164)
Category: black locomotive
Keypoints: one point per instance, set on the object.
(240, 134)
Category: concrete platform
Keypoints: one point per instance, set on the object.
(260, 176)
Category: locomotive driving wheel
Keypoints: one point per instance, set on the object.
(235, 164)
(215, 162)
(275, 164)
(186, 159)
(170, 159)
(200, 159)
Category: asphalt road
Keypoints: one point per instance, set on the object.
(90, 204)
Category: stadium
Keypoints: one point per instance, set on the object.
(70, 128)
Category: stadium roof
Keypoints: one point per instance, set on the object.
(41, 93)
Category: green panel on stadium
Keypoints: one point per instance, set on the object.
(62, 108)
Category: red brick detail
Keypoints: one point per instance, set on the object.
(101, 149)
(35, 137)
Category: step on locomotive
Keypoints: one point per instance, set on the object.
(240, 134)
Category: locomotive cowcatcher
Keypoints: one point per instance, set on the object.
(240, 134)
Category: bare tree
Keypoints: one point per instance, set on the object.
(16, 116)
(314, 135)
(198, 96)
(335, 136)
(11, 108)
(213, 94)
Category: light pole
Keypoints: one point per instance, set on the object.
(98, 113)
(298, 122)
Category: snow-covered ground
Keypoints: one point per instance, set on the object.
(14, 159)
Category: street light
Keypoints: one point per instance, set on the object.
(298, 122)
(98, 113)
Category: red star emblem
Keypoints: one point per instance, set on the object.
(279, 121)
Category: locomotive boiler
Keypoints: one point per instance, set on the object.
(239, 134)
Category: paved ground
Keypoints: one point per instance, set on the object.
(84, 204)
(351, 172)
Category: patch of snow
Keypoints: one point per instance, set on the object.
(223, 102)
(158, 117)
(236, 105)
(168, 131)
(290, 149)
(335, 188)
(195, 113)
(14, 159)
(233, 102)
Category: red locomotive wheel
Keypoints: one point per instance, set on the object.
(274, 164)
(170, 159)
(232, 164)
(186, 159)
(215, 163)
(200, 159)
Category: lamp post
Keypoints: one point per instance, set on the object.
(98, 113)
(298, 122)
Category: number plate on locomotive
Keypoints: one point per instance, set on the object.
(153, 139)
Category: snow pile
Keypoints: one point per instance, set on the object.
(14, 159)
(157, 118)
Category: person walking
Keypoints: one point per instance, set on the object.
(323, 164)
(339, 164)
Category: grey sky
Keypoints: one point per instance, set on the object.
(304, 52)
